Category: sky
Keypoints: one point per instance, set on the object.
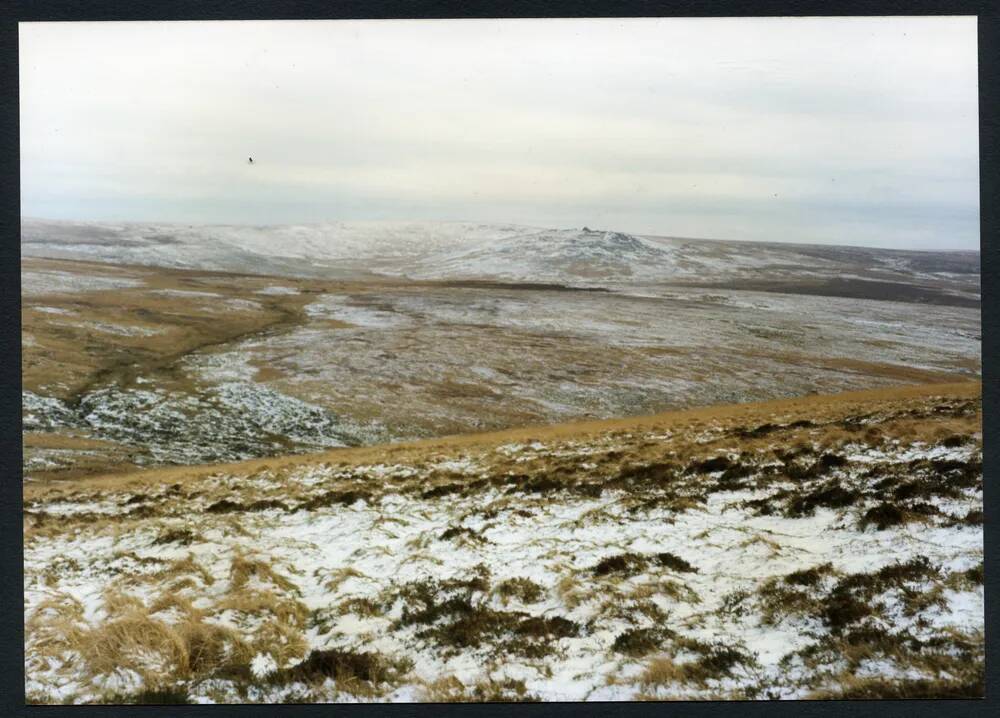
(859, 131)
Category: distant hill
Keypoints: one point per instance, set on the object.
(509, 252)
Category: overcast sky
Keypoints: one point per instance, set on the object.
(848, 131)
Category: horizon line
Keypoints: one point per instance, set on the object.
(22, 218)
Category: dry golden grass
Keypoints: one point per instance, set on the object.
(132, 641)
(823, 410)
(450, 689)
(243, 569)
(340, 575)
(170, 639)
(55, 626)
(662, 671)
(184, 322)
(846, 686)
(571, 591)
(210, 618)
(185, 568)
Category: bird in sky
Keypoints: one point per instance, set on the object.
(250, 159)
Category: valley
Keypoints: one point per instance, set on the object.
(132, 358)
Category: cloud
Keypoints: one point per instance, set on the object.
(843, 130)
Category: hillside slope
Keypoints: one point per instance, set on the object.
(466, 250)
(814, 547)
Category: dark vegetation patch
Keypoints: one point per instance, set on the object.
(538, 485)
(343, 665)
(768, 505)
(674, 562)
(954, 659)
(857, 423)
(623, 563)
(789, 454)
(461, 531)
(715, 660)
(171, 695)
(957, 408)
(830, 495)
(42, 518)
(809, 576)
(883, 516)
(758, 431)
(923, 488)
(956, 440)
(224, 506)
(184, 537)
(732, 478)
(907, 689)
(267, 504)
(854, 600)
(974, 574)
(653, 474)
(974, 517)
(532, 286)
(629, 564)
(640, 641)
(801, 472)
(708, 466)
(852, 288)
(965, 580)
(523, 589)
(777, 599)
(463, 488)
(768, 428)
(455, 615)
(561, 478)
(335, 498)
(360, 605)
(735, 603)
(831, 461)
(508, 690)
(142, 511)
(547, 627)
(951, 473)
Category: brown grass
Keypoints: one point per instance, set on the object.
(175, 640)
(817, 408)
(451, 690)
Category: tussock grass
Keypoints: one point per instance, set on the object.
(713, 662)
(55, 627)
(134, 642)
(870, 689)
(522, 589)
(197, 623)
(347, 668)
(451, 690)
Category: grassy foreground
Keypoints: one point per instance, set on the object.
(817, 547)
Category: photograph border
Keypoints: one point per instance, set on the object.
(11, 544)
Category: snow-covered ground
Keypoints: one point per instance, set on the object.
(465, 250)
(706, 559)
(393, 362)
(55, 282)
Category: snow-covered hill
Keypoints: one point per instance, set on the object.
(553, 255)
(294, 250)
(463, 250)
